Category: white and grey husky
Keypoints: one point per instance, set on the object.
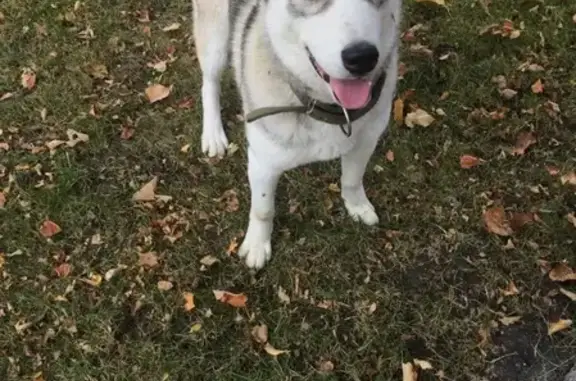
(317, 79)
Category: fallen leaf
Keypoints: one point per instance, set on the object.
(469, 161)
(157, 92)
(195, 328)
(561, 272)
(273, 351)
(188, 301)
(230, 198)
(146, 193)
(509, 320)
(235, 300)
(571, 217)
(409, 372)
(524, 140)
(28, 79)
(260, 334)
(159, 66)
(510, 290)
(419, 118)
(496, 222)
(5, 96)
(423, 364)
(554, 171)
(164, 285)
(326, 366)
(127, 132)
(569, 178)
(574, 18)
(98, 71)
(53, 144)
(283, 296)
(2, 200)
(232, 246)
(149, 259)
(508, 93)
(112, 272)
(171, 27)
(185, 103)
(537, 87)
(75, 137)
(49, 229)
(63, 270)
(571, 295)
(209, 260)
(437, 2)
(94, 280)
(557, 326)
(399, 110)
(38, 377)
(519, 219)
(390, 155)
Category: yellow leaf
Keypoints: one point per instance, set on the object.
(510, 290)
(558, 326)
(157, 92)
(94, 280)
(189, 301)
(438, 2)
(399, 110)
(195, 328)
(146, 193)
(561, 272)
(409, 372)
(273, 351)
(418, 118)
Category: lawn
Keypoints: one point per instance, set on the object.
(462, 271)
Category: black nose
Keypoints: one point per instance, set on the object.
(360, 58)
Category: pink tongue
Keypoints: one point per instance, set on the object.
(351, 93)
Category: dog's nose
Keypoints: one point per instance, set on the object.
(360, 58)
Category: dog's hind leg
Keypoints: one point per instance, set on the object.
(211, 36)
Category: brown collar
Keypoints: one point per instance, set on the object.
(330, 113)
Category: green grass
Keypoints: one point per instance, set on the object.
(434, 286)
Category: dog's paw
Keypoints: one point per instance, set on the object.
(214, 140)
(257, 252)
(363, 212)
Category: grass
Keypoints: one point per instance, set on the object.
(434, 286)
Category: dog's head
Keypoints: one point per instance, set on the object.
(336, 47)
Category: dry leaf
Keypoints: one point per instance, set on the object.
(127, 132)
(574, 18)
(569, 178)
(469, 161)
(283, 296)
(159, 66)
(273, 351)
(260, 334)
(509, 320)
(326, 366)
(409, 372)
(53, 144)
(418, 118)
(28, 79)
(571, 217)
(157, 92)
(519, 219)
(5, 96)
(49, 229)
(98, 71)
(63, 270)
(558, 326)
(188, 301)
(571, 295)
(423, 364)
(437, 2)
(75, 137)
(537, 87)
(149, 259)
(399, 110)
(524, 140)
(496, 222)
(561, 272)
(235, 300)
(94, 280)
(2, 200)
(146, 193)
(232, 246)
(508, 93)
(230, 198)
(164, 285)
(171, 27)
(553, 171)
(510, 290)
(209, 260)
(390, 155)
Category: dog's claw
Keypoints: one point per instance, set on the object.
(363, 212)
(214, 141)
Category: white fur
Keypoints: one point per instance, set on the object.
(279, 143)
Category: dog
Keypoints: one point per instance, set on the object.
(317, 79)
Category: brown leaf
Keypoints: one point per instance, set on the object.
(561, 272)
(569, 294)
(409, 372)
(171, 27)
(146, 193)
(5, 96)
(260, 334)
(390, 155)
(230, 198)
(273, 351)
(418, 118)
(510, 290)
(469, 161)
(235, 300)
(2, 199)
(28, 79)
(232, 246)
(553, 171)
(63, 270)
(127, 132)
(399, 110)
(149, 259)
(188, 301)
(185, 103)
(209, 260)
(571, 217)
(496, 222)
(557, 326)
(509, 320)
(164, 285)
(437, 2)
(519, 219)
(524, 140)
(325, 366)
(49, 229)
(569, 178)
(537, 87)
(157, 92)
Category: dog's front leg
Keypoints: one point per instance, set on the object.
(263, 179)
(353, 168)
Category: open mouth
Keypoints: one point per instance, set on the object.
(350, 93)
